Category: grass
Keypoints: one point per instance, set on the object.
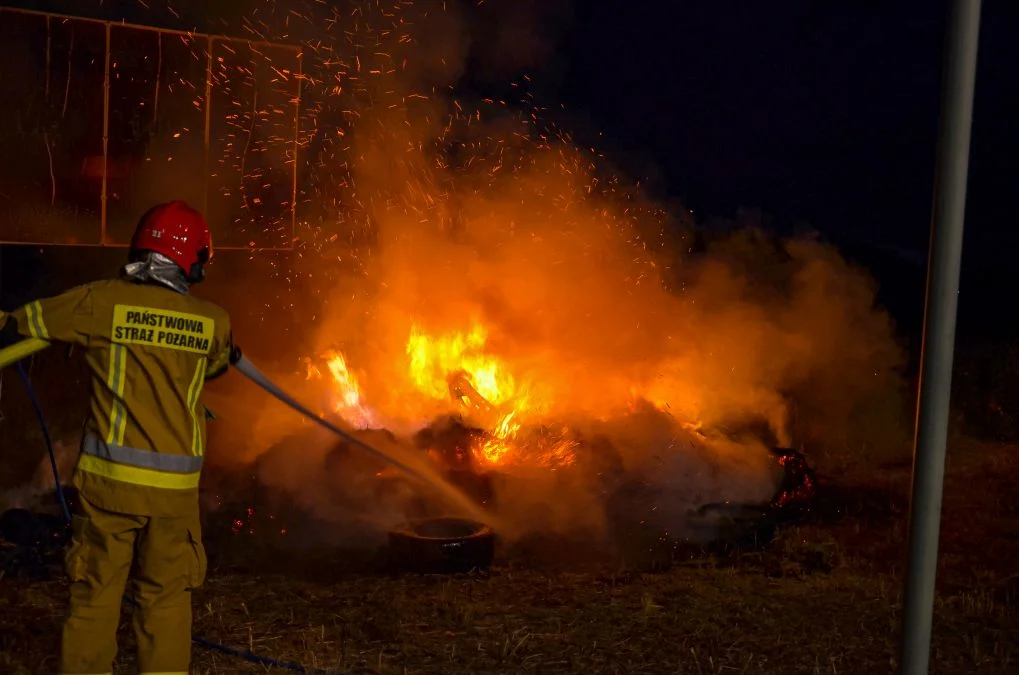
(823, 599)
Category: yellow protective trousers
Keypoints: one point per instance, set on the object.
(164, 559)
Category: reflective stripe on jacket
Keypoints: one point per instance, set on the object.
(139, 467)
(149, 351)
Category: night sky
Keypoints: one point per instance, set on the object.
(823, 114)
(817, 112)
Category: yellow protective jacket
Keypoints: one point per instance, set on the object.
(149, 351)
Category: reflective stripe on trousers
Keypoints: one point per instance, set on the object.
(139, 467)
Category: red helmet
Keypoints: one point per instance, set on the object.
(180, 233)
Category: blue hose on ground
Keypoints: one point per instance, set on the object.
(201, 642)
(254, 658)
(49, 442)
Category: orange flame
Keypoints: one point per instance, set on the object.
(506, 447)
(347, 403)
(495, 449)
(457, 369)
(433, 360)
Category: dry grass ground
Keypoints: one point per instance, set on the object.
(823, 599)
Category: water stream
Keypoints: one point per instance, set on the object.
(414, 466)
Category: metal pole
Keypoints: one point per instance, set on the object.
(207, 138)
(297, 144)
(103, 208)
(185, 34)
(943, 265)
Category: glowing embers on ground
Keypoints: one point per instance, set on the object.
(456, 369)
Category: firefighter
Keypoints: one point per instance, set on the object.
(149, 346)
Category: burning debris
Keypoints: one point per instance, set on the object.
(798, 486)
(499, 439)
(632, 504)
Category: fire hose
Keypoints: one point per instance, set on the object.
(16, 353)
(248, 369)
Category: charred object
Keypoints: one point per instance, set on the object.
(797, 488)
(441, 546)
(247, 509)
(717, 528)
(32, 541)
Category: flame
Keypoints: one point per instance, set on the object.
(461, 367)
(457, 369)
(495, 449)
(434, 360)
(347, 403)
(506, 447)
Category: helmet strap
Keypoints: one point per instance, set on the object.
(197, 273)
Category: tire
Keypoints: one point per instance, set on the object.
(441, 546)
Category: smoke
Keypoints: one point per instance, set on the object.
(514, 37)
(38, 492)
(678, 367)
(668, 360)
(340, 485)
